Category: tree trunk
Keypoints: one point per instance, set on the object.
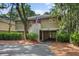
(10, 26)
(10, 18)
(25, 31)
(23, 20)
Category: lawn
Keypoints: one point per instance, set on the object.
(64, 49)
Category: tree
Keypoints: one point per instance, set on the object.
(69, 16)
(68, 12)
(46, 13)
(28, 11)
(23, 17)
(23, 10)
(11, 15)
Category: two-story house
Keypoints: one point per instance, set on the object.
(48, 26)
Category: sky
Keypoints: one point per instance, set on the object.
(39, 8)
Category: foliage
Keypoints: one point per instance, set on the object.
(69, 14)
(47, 13)
(18, 10)
(75, 38)
(10, 36)
(63, 36)
(28, 11)
(32, 36)
(23, 11)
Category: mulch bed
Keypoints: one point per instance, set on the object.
(21, 42)
(64, 49)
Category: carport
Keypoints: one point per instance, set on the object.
(48, 34)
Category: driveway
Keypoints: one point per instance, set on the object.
(25, 50)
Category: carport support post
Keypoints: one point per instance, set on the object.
(38, 36)
(56, 37)
(42, 36)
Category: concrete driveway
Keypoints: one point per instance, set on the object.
(25, 50)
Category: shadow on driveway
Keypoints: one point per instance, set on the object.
(25, 50)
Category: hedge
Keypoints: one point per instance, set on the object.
(10, 36)
(75, 38)
(63, 36)
(32, 36)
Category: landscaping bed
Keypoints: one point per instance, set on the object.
(21, 42)
(17, 38)
(64, 49)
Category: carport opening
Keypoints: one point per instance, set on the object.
(47, 36)
(49, 40)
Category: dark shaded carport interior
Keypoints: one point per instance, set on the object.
(48, 34)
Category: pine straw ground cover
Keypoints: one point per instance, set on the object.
(64, 49)
(21, 42)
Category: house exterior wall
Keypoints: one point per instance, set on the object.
(49, 23)
(45, 23)
(13, 28)
(5, 26)
(20, 27)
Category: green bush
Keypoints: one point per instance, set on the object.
(10, 36)
(63, 36)
(32, 36)
(75, 38)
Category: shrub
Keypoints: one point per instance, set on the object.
(10, 36)
(32, 36)
(63, 36)
(75, 38)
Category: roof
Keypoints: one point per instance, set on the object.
(38, 16)
(6, 21)
(49, 29)
(46, 29)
